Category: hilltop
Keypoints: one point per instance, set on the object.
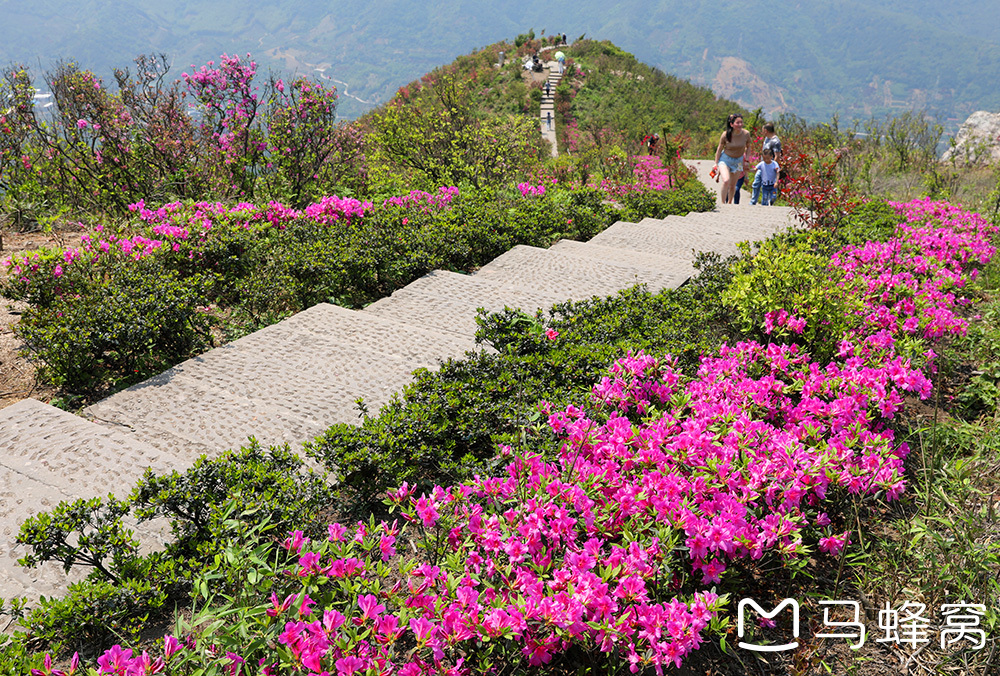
(607, 95)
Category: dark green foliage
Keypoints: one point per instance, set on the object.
(873, 221)
(210, 506)
(122, 592)
(271, 482)
(126, 326)
(692, 196)
(84, 533)
(96, 613)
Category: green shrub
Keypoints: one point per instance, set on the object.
(272, 483)
(133, 323)
(94, 613)
(786, 275)
(692, 196)
(873, 221)
(212, 507)
(84, 533)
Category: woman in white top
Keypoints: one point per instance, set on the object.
(729, 155)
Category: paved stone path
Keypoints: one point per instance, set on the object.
(549, 106)
(290, 381)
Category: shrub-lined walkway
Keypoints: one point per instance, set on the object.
(548, 107)
(290, 381)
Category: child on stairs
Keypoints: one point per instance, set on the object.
(765, 179)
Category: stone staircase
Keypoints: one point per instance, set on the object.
(287, 383)
(548, 107)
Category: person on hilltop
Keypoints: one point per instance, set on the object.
(729, 156)
(766, 179)
(651, 142)
(772, 141)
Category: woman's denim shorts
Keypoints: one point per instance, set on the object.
(735, 164)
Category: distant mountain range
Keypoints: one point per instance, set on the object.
(810, 58)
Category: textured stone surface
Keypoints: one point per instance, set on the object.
(47, 456)
(671, 265)
(665, 241)
(563, 273)
(426, 346)
(186, 415)
(448, 301)
(728, 227)
(283, 384)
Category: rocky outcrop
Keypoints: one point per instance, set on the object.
(978, 140)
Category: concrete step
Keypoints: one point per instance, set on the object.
(448, 301)
(187, 416)
(284, 384)
(669, 264)
(736, 226)
(563, 273)
(426, 346)
(671, 241)
(47, 456)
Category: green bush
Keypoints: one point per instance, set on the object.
(873, 221)
(691, 196)
(94, 613)
(273, 483)
(787, 275)
(85, 533)
(211, 507)
(126, 326)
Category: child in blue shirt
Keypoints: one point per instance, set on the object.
(765, 179)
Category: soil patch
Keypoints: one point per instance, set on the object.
(19, 376)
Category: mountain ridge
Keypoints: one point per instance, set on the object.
(836, 57)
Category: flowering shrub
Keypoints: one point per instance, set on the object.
(617, 176)
(425, 201)
(650, 173)
(529, 189)
(255, 264)
(96, 331)
(789, 291)
(810, 183)
(661, 487)
(103, 150)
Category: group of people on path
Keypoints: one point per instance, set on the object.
(730, 163)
